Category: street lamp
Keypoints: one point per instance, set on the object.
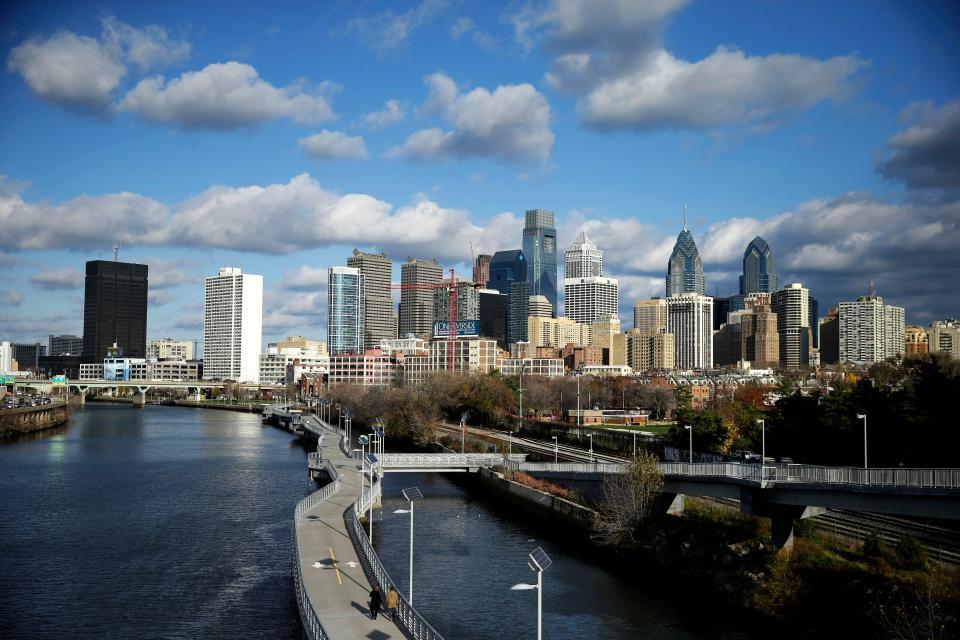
(522, 367)
(763, 446)
(540, 561)
(556, 449)
(578, 372)
(372, 459)
(863, 416)
(364, 441)
(411, 494)
(690, 429)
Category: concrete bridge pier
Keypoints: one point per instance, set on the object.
(670, 503)
(782, 519)
(140, 398)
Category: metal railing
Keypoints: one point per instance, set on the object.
(568, 467)
(811, 474)
(405, 617)
(447, 459)
(308, 614)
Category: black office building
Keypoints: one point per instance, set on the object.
(493, 315)
(115, 309)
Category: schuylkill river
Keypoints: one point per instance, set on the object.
(168, 522)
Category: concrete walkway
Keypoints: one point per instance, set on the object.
(332, 574)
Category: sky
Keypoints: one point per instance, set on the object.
(278, 137)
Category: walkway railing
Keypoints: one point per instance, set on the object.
(775, 473)
(406, 616)
(308, 614)
(428, 460)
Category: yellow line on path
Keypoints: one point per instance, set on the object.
(336, 568)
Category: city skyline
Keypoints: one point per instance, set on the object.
(856, 182)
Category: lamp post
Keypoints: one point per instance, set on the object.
(372, 459)
(690, 429)
(539, 561)
(363, 440)
(863, 417)
(578, 373)
(763, 446)
(411, 494)
(556, 449)
(590, 435)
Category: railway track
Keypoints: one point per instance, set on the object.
(942, 544)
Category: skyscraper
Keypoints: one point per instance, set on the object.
(114, 309)
(377, 273)
(685, 268)
(690, 320)
(759, 339)
(508, 275)
(468, 302)
(792, 306)
(587, 295)
(759, 274)
(481, 269)
(493, 315)
(232, 325)
(60, 345)
(346, 302)
(416, 305)
(870, 331)
(650, 316)
(540, 249)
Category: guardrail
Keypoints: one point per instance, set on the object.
(569, 467)
(406, 617)
(308, 614)
(447, 459)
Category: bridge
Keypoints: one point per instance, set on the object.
(193, 387)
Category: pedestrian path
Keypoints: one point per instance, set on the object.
(333, 576)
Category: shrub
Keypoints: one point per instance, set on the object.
(803, 528)
(911, 554)
(873, 546)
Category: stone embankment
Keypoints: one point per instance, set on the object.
(540, 502)
(30, 419)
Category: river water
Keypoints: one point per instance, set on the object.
(168, 522)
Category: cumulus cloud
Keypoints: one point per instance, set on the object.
(609, 54)
(58, 280)
(244, 219)
(332, 145)
(927, 154)
(224, 96)
(306, 278)
(391, 113)
(389, 30)
(511, 124)
(81, 73)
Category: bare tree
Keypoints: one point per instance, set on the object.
(628, 499)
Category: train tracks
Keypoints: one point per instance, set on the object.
(546, 449)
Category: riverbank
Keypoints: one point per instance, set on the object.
(15, 422)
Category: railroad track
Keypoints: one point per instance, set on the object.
(563, 451)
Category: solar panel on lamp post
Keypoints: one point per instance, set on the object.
(411, 494)
(540, 561)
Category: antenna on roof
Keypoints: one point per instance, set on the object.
(116, 250)
(684, 216)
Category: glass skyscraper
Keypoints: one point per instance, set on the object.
(508, 275)
(114, 309)
(685, 268)
(540, 249)
(759, 275)
(346, 305)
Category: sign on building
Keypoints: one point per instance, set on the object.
(59, 379)
(465, 329)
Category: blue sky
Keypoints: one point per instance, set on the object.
(279, 138)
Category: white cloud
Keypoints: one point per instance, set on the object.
(334, 145)
(58, 280)
(927, 154)
(81, 73)
(74, 72)
(461, 25)
(609, 54)
(224, 96)
(510, 124)
(389, 30)
(306, 278)
(391, 113)
(159, 298)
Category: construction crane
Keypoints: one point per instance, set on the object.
(452, 285)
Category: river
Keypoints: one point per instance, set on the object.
(168, 522)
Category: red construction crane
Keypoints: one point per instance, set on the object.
(452, 287)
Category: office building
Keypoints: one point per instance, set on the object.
(759, 274)
(870, 331)
(650, 316)
(556, 332)
(544, 367)
(276, 361)
(945, 338)
(28, 355)
(540, 249)
(508, 275)
(587, 295)
(759, 339)
(64, 345)
(170, 349)
(481, 270)
(416, 305)
(726, 345)
(377, 273)
(721, 309)
(539, 307)
(792, 306)
(232, 325)
(685, 268)
(468, 302)
(690, 320)
(518, 310)
(916, 341)
(471, 355)
(115, 309)
(650, 351)
(813, 321)
(346, 299)
(830, 337)
(370, 369)
(7, 361)
(493, 315)
(606, 334)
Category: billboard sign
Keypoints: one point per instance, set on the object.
(465, 329)
(59, 379)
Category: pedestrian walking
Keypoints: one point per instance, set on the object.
(375, 602)
(393, 599)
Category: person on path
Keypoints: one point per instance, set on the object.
(393, 599)
(375, 601)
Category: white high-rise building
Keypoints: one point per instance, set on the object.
(690, 320)
(792, 306)
(870, 331)
(6, 357)
(587, 295)
(232, 325)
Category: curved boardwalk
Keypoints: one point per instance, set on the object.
(331, 577)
